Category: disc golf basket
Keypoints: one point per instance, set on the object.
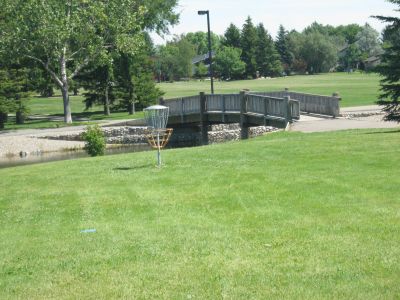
(157, 134)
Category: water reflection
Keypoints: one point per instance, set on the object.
(40, 157)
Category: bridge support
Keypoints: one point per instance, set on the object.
(203, 120)
(287, 112)
(244, 127)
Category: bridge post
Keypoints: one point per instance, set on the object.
(286, 91)
(336, 108)
(203, 120)
(287, 112)
(244, 127)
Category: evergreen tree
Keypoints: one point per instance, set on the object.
(13, 93)
(268, 59)
(248, 43)
(98, 84)
(283, 49)
(232, 37)
(124, 88)
(134, 83)
(390, 68)
(145, 90)
(42, 82)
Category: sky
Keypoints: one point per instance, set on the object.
(292, 14)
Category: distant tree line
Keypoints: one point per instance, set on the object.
(251, 52)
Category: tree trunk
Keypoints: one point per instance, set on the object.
(3, 119)
(19, 117)
(64, 90)
(106, 101)
(131, 108)
(67, 107)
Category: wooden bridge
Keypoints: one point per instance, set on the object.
(249, 109)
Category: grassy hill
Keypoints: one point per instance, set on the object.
(287, 215)
(355, 89)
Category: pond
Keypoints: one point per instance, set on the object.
(16, 160)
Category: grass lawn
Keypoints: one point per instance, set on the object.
(287, 215)
(53, 107)
(355, 89)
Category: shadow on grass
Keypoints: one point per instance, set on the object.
(383, 132)
(133, 168)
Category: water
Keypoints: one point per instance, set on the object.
(16, 160)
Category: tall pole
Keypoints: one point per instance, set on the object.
(206, 12)
(210, 53)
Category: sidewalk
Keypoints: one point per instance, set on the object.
(361, 117)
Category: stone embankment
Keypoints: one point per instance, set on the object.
(72, 139)
(137, 135)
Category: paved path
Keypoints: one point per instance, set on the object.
(361, 109)
(362, 117)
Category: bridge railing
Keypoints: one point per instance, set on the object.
(226, 103)
(268, 106)
(317, 104)
(309, 103)
(273, 107)
(295, 109)
(183, 105)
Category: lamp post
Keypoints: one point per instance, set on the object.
(206, 12)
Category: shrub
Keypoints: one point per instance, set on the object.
(94, 141)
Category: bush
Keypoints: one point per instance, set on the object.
(95, 143)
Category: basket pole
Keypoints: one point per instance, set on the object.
(158, 150)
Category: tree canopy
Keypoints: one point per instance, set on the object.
(65, 36)
(390, 68)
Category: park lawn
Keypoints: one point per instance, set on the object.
(50, 111)
(287, 215)
(356, 89)
(54, 106)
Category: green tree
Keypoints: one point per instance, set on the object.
(248, 44)
(351, 57)
(133, 83)
(41, 81)
(228, 64)
(64, 37)
(283, 49)
(201, 70)
(268, 59)
(348, 32)
(175, 59)
(318, 52)
(199, 40)
(13, 93)
(232, 37)
(97, 82)
(368, 41)
(390, 68)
